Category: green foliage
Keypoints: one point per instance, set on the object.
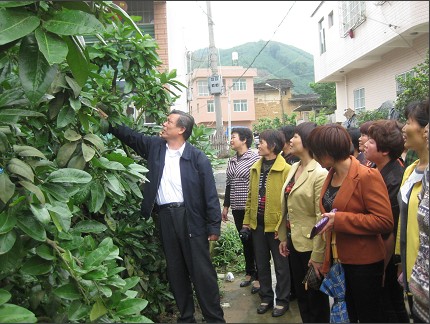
(227, 253)
(73, 246)
(320, 118)
(372, 115)
(276, 61)
(273, 123)
(327, 92)
(416, 87)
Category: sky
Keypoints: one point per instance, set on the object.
(236, 23)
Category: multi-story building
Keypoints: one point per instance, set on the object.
(153, 22)
(237, 99)
(364, 46)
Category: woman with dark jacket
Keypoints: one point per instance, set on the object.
(384, 148)
(355, 200)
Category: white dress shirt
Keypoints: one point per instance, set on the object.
(170, 189)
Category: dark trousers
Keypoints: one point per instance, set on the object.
(266, 247)
(363, 292)
(314, 306)
(248, 248)
(188, 261)
(392, 301)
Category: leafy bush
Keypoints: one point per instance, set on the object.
(227, 254)
(73, 246)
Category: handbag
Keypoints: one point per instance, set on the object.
(311, 280)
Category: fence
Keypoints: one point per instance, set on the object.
(220, 142)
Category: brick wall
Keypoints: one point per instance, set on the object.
(160, 30)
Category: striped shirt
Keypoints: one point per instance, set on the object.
(237, 182)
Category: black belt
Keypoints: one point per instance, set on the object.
(171, 205)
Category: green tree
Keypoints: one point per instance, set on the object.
(327, 93)
(415, 87)
(275, 123)
(73, 246)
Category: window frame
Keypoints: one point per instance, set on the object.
(210, 106)
(202, 88)
(240, 105)
(239, 84)
(321, 29)
(353, 14)
(359, 100)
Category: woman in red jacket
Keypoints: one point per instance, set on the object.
(360, 196)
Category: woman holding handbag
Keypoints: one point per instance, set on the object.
(300, 209)
(360, 198)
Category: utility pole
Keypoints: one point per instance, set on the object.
(213, 56)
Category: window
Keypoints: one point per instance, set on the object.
(403, 76)
(202, 87)
(353, 14)
(322, 36)
(359, 104)
(330, 19)
(211, 106)
(240, 105)
(144, 9)
(239, 84)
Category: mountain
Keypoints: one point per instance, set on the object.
(276, 61)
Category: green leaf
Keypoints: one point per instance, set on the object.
(4, 143)
(7, 241)
(131, 306)
(137, 319)
(12, 97)
(4, 296)
(119, 11)
(52, 46)
(89, 226)
(98, 196)
(36, 266)
(61, 216)
(45, 252)
(7, 188)
(9, 4)
(41, 213)
(77, 61)
(75, 86)
(96, 257)
(65, 153)
(20, 168)
(65, 117)
(57, 191)
(130, 283)
(96, 274)
(68, 291)
(20, 113)
(97, 311)
(34, 189)
(77, 162)
(95, 140)
(75, 104)
(16, 314)
(71, 135)
(114, 185)
(7, 222)
(87, 152)
(35, 73)
(16, 23)
(25, 150)
(68, 175)
(73, 22)
(111, 165)
(77, 311)
(31, 226)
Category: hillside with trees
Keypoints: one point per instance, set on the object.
(276, 61)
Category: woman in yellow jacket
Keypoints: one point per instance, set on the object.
(263, 216)
(407, 239)
(301, 210)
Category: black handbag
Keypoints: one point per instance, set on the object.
(311, 280)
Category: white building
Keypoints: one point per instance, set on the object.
(365, 45)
